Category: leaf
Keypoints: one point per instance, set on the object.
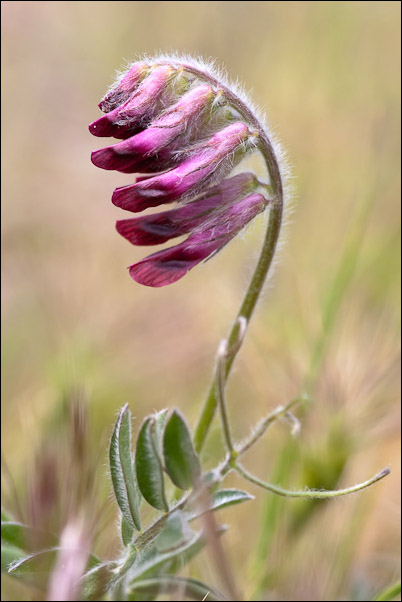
(160, 421)
(127, 531)
(122, 470)
(191, 588)
(18, 534)
(95, 582)
(182, 463)
(149, 466)
(221, 499)
(9, 555)
(150, 562)
(174, 533)
(38, 562)
(41, 561)
(13, 533)
(389, 593)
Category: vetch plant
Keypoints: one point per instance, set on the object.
(186, 131)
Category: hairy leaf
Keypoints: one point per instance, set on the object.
(149, 466)
(182, 463)
(191, 588)
(219, 500)
(122, 469)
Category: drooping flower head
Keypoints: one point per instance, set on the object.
(185, 130)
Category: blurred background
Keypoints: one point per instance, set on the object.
(75, 325)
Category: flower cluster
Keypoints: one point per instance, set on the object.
(184, 131)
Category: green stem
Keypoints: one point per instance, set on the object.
(220, 393)
(246, 310)
(269, 245)
(310, 494)
(262, 427)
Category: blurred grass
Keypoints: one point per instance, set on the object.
(327, 74)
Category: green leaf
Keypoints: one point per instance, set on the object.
(122, 469)
(174, 533)
(95, 583)
(221, 499)
(18, 534)
(151, 563)
(13, 533)
(389, 593)
(127, 531)
(149, 466)
(9, 555)
(191, 588)
(38, 562)
(160, 421)
(182, 463)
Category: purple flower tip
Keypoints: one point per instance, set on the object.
(185, 132)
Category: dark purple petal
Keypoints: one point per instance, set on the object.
(169, 265)
(155, 145)
(160, 227)
(187, 177)
(139, 109)
(160, 189)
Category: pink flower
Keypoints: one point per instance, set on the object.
(206, 158)
(185, 134)
(138, 110)
(154, 148)
(157, 228)
(169, 265)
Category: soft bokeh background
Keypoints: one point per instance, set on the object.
(327, 74)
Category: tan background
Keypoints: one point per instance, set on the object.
(327, 74)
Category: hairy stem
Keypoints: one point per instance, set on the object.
(310, 494)
(268, 248)
(246, 310)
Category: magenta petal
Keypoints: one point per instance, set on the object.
(159, 227)
(104, 127)
(138, 153)
(144, 231)
(185, 179)
(134, 198)
(107, 158)
(168, 266)
(126, 86)
(138, 110)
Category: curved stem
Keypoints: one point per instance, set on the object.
(310, 494)
(249, 301)
(269, 245)
(246, 310)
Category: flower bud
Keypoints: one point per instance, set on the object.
(157, 228)
(169, 265)
(124, 89)
(140, 108)
(183, 130)
(217, 154)
(161, 138)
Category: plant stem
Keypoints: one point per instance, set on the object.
(270, 241)
(261, 428)
(310, 494)
(220, 393)
(246, 310)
